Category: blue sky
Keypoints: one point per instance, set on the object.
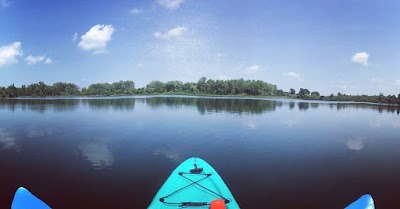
(348, 46)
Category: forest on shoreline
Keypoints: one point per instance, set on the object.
(204, 86)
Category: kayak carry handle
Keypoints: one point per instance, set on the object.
(196, 170)
(194, 204)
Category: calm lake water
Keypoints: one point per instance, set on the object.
(280, 154)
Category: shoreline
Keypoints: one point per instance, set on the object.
(200, 96)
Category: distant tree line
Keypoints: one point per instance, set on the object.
(40, 90)
(212, 87)
(203, 86)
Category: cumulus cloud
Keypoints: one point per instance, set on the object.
(293, 75)
(9, 53)
(48, 61)
(252, 69)
(361, 58)
(135, 11)
(170, 4)
(32, 60)
(173, 33)
(96, 39)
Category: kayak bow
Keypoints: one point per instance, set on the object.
(194, 183)
(23, 199)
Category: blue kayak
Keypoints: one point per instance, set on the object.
(23, 199)
(364, 202)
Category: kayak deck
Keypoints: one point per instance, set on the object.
(194, 183)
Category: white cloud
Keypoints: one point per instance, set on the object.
(252, 69)
(48, 61)
(173, 33)
(96, 39)
(140, 65)
(293, 75)
(135, 11)
(361, 58)
(4, 3)
(170, 4)
(9, 53)
(75, 37)
(31, 60)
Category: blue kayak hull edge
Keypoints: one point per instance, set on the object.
(364, 202)
(23, 199)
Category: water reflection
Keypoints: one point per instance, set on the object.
(289, 123)
(292, 105)
(43, 132)
(251, 125)
(7, 139)
(217, 105)
(204, 105)
(167, 153)
(304, 105)
(97, 152)
(39, 105)
(356, 143)
(110, 103)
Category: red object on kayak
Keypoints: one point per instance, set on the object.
(218, 204)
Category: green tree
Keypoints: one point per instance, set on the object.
(12, 91)
(303, 93)
(155, 87)
(201, 85)
(2, 92)
(315, 94)
(292, 91)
